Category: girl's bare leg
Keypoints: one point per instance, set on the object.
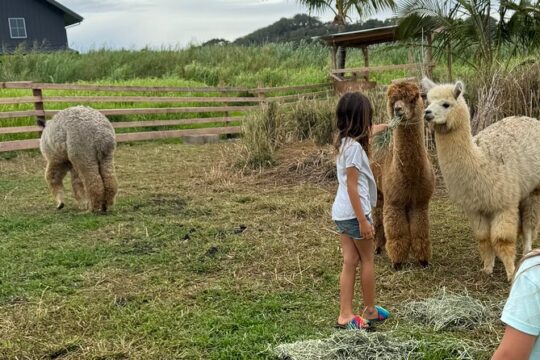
(347, 279)
(365, 250)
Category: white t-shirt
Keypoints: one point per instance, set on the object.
(522, 309)
(352, 154)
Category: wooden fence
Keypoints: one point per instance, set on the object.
(230, 103)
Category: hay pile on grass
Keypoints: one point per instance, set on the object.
(361, 345)
(317, 167)
(304, 162)
(448, 312)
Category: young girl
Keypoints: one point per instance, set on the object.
(521, 313)
(356, 195)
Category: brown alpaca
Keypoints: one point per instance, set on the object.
(405, 181)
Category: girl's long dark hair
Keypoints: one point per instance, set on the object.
(354, 119)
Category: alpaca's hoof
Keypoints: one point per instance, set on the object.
(487, 271)
(60, 206)
(424, 263)
(397, 266)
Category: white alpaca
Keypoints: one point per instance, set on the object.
(81, 140)
(494, 177)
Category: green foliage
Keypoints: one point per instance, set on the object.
(302, 28)
(343, 9)
(271, 64)
(467, 30)
(261, 135)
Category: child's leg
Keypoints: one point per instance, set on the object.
(365, 249)
(347, 279)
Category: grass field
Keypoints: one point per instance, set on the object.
(198, 261)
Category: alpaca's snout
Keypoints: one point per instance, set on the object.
(398, 108)
(428, 115)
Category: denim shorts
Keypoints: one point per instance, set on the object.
(350, 227)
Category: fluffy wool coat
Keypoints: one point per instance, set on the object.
(406, 181)
(82, 141)
(494, 177)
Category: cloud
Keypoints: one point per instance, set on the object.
(102, 6)
(177, 23)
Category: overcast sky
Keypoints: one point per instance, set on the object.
(134, 24)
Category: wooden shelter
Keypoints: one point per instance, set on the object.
(362, 39)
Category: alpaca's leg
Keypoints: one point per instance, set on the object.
(54, 174)
(504, 230)
(482, 232)
(530, 216)
(398, 237)
(79, 191)
(421, 245)
(93, 184)
(106, 170)
(377, 212)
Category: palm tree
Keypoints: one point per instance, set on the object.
(343, 10)
(430, 16)
(523, 26)
(469, 30)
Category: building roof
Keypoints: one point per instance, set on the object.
(70, 17)
(362, 38)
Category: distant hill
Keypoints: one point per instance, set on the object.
(301, 27)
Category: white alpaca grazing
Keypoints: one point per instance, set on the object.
(494, 176)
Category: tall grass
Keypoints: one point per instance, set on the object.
(275, 125)
(272, 64)
(504, 92)
(269, 65)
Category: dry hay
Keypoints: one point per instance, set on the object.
(441, 313)
(305, 162)
(362, 345)
(448, 312)
(381, 142)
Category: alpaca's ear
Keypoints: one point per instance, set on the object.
(458, 89)
(427, 84)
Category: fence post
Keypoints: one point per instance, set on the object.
(260, 94)
(38, 106)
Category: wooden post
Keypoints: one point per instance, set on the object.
(38, 106)
(226, 116)
(261, 95)
(429, 70)
(366, 61)
(334, 57)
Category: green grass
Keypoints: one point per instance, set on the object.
(169, 273)
(267, 65)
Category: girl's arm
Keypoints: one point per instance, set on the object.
(515, 345)
(352, 189)
(378, 128)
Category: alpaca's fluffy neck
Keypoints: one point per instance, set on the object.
(409, 147)
(462, 163)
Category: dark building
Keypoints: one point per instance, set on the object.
(38, 24)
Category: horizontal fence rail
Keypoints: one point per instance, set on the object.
(221, 110)
(382, 68)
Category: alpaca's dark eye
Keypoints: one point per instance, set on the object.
(446, 105)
